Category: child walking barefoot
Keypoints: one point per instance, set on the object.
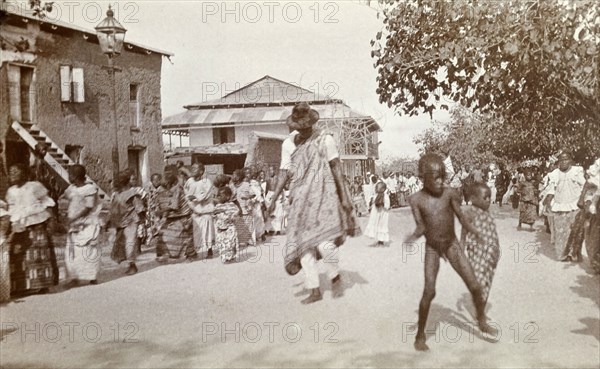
(434, 208)
(226, 234)
(528, 200)
(377, 227)
(126, 214)
(483, 256)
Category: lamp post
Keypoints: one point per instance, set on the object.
(110, 37)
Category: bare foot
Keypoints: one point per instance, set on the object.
(420, 344)
(336, 287)
(484, 327)
(313, 297)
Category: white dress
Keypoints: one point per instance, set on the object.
(377, 227)
(82, 259)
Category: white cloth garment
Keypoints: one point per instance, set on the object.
(330, 258)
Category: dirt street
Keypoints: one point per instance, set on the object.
(206, 314)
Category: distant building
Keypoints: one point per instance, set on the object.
(223, 132)
(56, 89)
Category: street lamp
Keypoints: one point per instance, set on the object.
(110, 37)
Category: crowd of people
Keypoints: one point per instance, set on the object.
(179, 214)
(183, 213)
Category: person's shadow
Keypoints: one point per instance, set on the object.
(349, 280)
(464, 321)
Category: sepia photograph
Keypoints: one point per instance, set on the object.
(300, 184)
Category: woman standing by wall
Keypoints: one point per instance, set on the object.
(32, 257)
(82, 254)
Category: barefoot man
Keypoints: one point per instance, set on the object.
(320, 216)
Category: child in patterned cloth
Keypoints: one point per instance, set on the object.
(434, 209)
(226, 237)
(482, 256)
(528, 200)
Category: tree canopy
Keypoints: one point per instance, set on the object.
(463, 137)
(532, 65)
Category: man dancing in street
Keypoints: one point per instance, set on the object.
(321, 215)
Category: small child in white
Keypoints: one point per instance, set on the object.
(377, 227)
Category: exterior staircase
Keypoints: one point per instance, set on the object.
(56, 157)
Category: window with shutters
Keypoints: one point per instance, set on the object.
(134, 105)
(22, 92)
(223, 135)
(71, 84)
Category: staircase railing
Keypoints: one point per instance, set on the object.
(58, 168)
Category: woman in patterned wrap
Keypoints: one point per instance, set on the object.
(175, 236)
(32, 257)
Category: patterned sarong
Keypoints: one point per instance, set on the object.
(576, 237)
(32, 259)
(592, 242)
(4, 269)
(316, 214)
(563, 221)
(244, 226)
(175, 237)
(483, 257)
(360, 205)
(527, 212)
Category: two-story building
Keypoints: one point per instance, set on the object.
(55, 88)
(225, 131)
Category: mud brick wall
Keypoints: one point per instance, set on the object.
(89, 124)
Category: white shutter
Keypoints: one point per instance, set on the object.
(14, 91)
(78, 92)
(65, 83)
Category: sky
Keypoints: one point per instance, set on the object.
(220, 46)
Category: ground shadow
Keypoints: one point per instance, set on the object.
(7, 331)
(542, 238)
(269, 357)
(349, 280)
(504, 212)
(448, 317)
(588, 286)
(136, 353)
(244, 254)
(592, 327)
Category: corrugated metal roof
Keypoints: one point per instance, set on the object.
(198, 118)
(267, 90)
(270, 136)
(221, 149)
